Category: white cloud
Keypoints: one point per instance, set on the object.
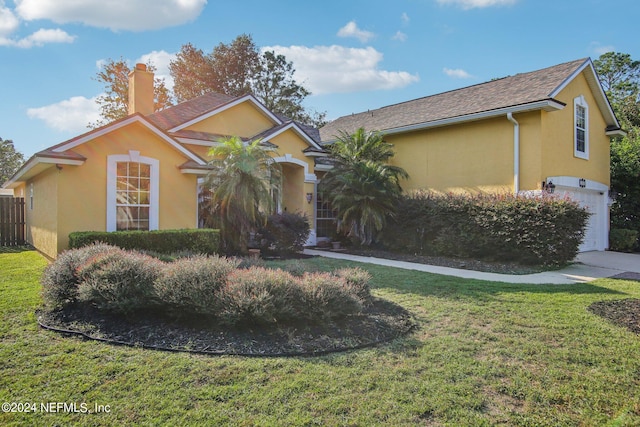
(352, 30)
(71, 115)
(161, 60)
(338, 69)
(41, 37)
(457, 73)
(405, 18)
(117, 15)
(471, 4)
(602, 49)
(8, 21)
(400, 36)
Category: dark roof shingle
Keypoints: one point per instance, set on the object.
(520, 89)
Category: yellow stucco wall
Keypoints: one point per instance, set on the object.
(42, 216)
(470, 157)
(243, 120)
(83, 207)
(478, 156)
(557, 130)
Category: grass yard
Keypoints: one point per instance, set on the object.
(484, 354)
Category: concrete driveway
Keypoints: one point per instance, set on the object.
(611, 260)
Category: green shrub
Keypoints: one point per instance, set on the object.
(197, 241)
(261, 296)
(530, 230)
(128, 282)
(192, 285)
(60, 279)
(358, 280)
(328, 296)
(622, 240)
(119, 281)
(286, 232)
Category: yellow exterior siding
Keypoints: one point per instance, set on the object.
(295, 188)
(83, 189)
(557, 130)
(471, 157)
(243, 120)
(42, 216)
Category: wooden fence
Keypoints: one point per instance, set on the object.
(12, 221)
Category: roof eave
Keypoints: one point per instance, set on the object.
(37, 164)
(544, 105)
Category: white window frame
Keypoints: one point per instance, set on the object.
(154, 197)
(580, 102)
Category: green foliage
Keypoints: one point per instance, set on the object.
(192, 286)
(361, 186)
(329, 296)
(238, 69)
(623, 240)
(620, 77)
(286, 232)
(242, 183)
(10, 160)
(530, 230)
(197, 241)
(200, 288)
(119, 281)
(261, 296)
(625, 182)
(60, 279)
(114, 103)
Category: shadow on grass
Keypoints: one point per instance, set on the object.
(15, 249)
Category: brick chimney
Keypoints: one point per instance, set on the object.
(141, 90)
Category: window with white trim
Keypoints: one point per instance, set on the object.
(132, 192)
(133, 186)
(581, 128)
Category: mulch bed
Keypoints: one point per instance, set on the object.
(381, 322)
(465, 264)
(624, 313)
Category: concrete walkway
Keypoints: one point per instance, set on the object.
(589, 266)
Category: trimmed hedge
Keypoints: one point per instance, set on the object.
(199, 241)
(622, 239)
(541, 230)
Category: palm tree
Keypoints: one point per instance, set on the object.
(362, 187)
(243, 182)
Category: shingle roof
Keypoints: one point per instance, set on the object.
(188, 110)
(520, 89)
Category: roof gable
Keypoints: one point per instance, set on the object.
(522, 92)
(201, 108)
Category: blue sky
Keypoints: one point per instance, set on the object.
(353, 55)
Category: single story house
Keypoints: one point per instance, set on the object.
(526, 133)
(142, 172)
(538, 131)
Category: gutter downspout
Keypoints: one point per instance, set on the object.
(516, 153)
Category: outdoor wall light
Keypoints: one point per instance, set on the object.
(309, 197)
(582, 182)
(549, 187)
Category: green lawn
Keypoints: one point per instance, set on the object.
(484, 354)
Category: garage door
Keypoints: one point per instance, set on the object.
(596, 233)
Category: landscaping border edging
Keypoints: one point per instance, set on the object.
(87, 336)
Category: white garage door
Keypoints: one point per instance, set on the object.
(596, 233)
